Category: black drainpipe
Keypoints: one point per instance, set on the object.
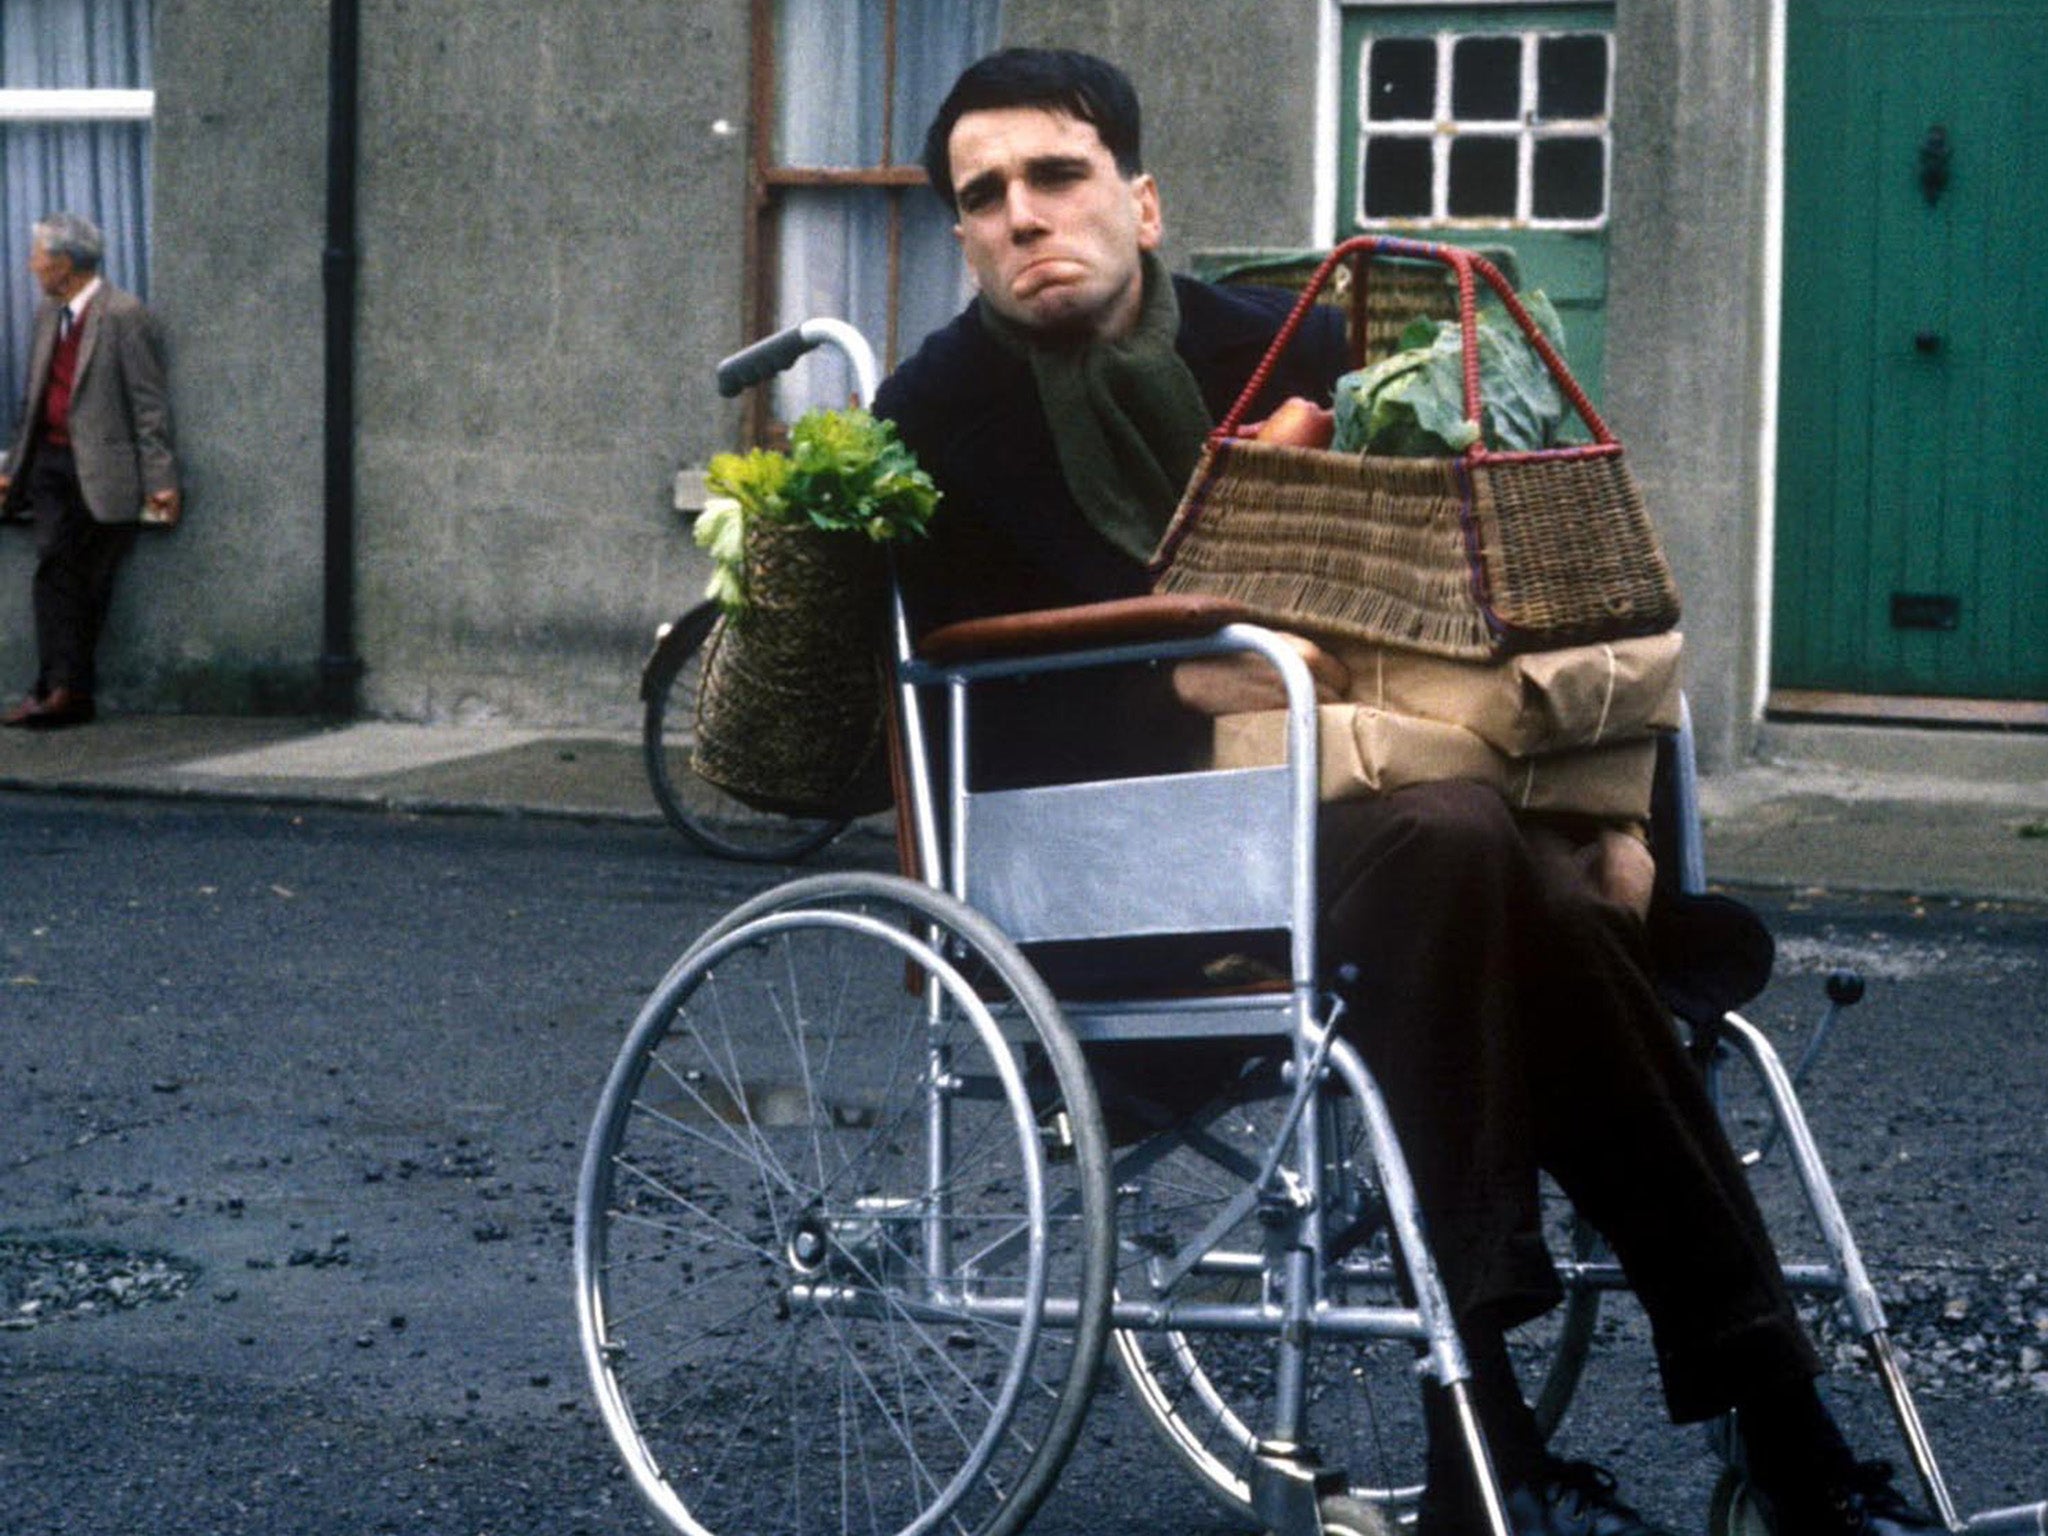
(340, 667)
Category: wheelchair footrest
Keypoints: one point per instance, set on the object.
(2020, 1520)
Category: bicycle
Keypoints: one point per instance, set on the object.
(719, 823)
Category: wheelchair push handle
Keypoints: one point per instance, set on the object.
(764, 359)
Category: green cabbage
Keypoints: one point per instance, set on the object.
(1412, 403)
(845, 472)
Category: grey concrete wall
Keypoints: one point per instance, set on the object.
(552, 246)
(552, 260)
(1230, 107)
(1686, 308)
(225, 614)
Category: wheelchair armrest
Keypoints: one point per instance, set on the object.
(1046, 631)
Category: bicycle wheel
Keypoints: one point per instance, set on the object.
(715, 821)
(842, 1241)
(1210, 1394)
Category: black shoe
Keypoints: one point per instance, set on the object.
(1565, 1498)
(1575, 1498)
(1862, 1502)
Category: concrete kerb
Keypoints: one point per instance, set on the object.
(1964, 830)
(372, 765)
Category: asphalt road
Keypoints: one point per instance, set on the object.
(291, 1106)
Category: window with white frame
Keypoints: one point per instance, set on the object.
(76, 99)
(1494, 127)
(847, 226)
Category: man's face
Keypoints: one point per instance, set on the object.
(1051, 229)
(52, 272)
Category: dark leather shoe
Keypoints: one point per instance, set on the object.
(61, 707)
(1863, 1502)
(1575, 1498)
(1567, 1498)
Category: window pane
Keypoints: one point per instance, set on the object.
(835, 261)
(1482, 178)
(1571, 176)
(1397, 178)
(101, 170)
(1571, 77)
(935, 40)
(1401, 80)
(1486, 79)
(58, 44)
(830, 88)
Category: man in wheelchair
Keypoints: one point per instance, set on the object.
(1513, 1016)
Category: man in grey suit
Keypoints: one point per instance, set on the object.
(92, 459)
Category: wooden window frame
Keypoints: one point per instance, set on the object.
(768, 181)
(1442, 129)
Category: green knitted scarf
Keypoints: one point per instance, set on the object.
(1127, 417)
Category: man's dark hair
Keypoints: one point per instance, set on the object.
(1058, 79)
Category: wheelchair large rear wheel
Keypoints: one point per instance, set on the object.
(1210, 1394)
(842, 1235)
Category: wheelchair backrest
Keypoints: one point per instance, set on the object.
(1199, 852)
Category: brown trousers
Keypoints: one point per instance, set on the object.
(1509, 1015)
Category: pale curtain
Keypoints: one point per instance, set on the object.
(834, 253)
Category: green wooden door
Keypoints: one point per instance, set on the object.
(1912, 546)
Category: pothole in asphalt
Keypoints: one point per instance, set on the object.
(44, 1278)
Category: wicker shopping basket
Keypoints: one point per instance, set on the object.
(790, 709)
(1482, 555)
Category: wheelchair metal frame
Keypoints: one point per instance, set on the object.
(1030, 862)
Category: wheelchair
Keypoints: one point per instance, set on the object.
(856, 1228)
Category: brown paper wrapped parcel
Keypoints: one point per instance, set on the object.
(1572, 730)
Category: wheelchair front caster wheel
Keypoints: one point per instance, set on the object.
(1733, 1510)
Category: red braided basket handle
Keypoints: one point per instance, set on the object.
(1466, 266)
